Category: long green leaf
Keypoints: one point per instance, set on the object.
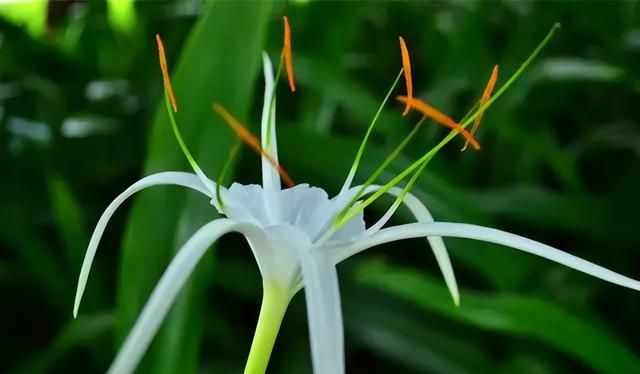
(220, 63)
(69, 218)
(514, 315)
(77, 333)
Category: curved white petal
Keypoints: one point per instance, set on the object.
(322, 295)
(422, 214)
(170, 284)
(463, 230)
(270, 177)
(188, 180)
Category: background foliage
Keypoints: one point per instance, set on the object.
(560, 163)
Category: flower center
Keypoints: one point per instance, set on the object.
(308, 209)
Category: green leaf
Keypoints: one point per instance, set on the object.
(528, 317)
(83, 331)
(69, 218)
(219, 63)
(393, 333)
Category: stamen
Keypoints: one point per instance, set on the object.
(286, 52)
(165, 73)
(251, 140)
(172, 108)
(422, 162)
(439, 117)
(406, 66)
(356, 161)
(485, 97)
(518, 72)
(378, 172)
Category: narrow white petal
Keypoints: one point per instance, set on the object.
(268, 94)
(170, 177)
(211, 187)
(166, 291)
(387, 215)
(347, 182)
(422, 214)
(322, 295)
(462, 230)
(270, 177)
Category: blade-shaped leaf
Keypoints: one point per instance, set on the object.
(585, 340)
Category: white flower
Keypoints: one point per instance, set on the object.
(298, 235)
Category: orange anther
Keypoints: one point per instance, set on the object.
(286, 52)
(251, 140)
(439, 117)
(406, 67)
(165, 73)
(485, 97)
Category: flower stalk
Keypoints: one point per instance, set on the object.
(275, 301)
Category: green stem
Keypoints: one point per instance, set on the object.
(274, 303)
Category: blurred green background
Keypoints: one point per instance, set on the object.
(80, 120)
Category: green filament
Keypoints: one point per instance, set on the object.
(178, 136)
(356, 161)
(382, 167)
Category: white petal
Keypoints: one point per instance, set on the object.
(167, 289)
(279, 261)
(246, 203)
(170, 177)
(324, 314)
(307, 208)
(273, 147)
(462, 230)
(353, 229)
(324, 218)
(422, 214)
(211, 187)
(270, 176)
(305, 205)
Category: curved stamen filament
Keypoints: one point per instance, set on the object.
(439, 117)
(382, 167)
(485, 96)
(356, 161)
(406, 66)
(286, 53)
(251, 140)
(172, 108)
(421, 163)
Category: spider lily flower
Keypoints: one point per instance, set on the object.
(299, 234)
